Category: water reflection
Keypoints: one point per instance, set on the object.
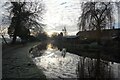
(51, 47)
(73, 66)
(87, 68)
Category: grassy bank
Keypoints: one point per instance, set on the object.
(16, 62)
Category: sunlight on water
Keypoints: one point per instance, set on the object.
(49, 47)
(55, 66)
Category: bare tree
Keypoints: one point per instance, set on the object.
(96, 16)
(25, 16)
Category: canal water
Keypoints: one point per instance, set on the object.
(54, 65)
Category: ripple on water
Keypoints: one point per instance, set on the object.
(55, 66)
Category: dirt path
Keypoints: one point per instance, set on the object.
(16, 63)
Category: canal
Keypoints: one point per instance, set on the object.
(48, 57)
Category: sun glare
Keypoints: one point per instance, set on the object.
(49, 46)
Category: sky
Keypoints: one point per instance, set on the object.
(60, 14)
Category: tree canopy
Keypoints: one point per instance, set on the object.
(96, 15)
(24, 16)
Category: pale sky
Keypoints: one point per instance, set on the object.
(62, 13)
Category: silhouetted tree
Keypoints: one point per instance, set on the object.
(42, 36)
(24, 16)
(96, 16)
(61, 34)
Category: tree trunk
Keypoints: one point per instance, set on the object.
(97, 67)
(14, 39)
(4, 39)
(99, 36)
(15, 34)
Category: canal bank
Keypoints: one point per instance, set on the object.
(16, 62)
